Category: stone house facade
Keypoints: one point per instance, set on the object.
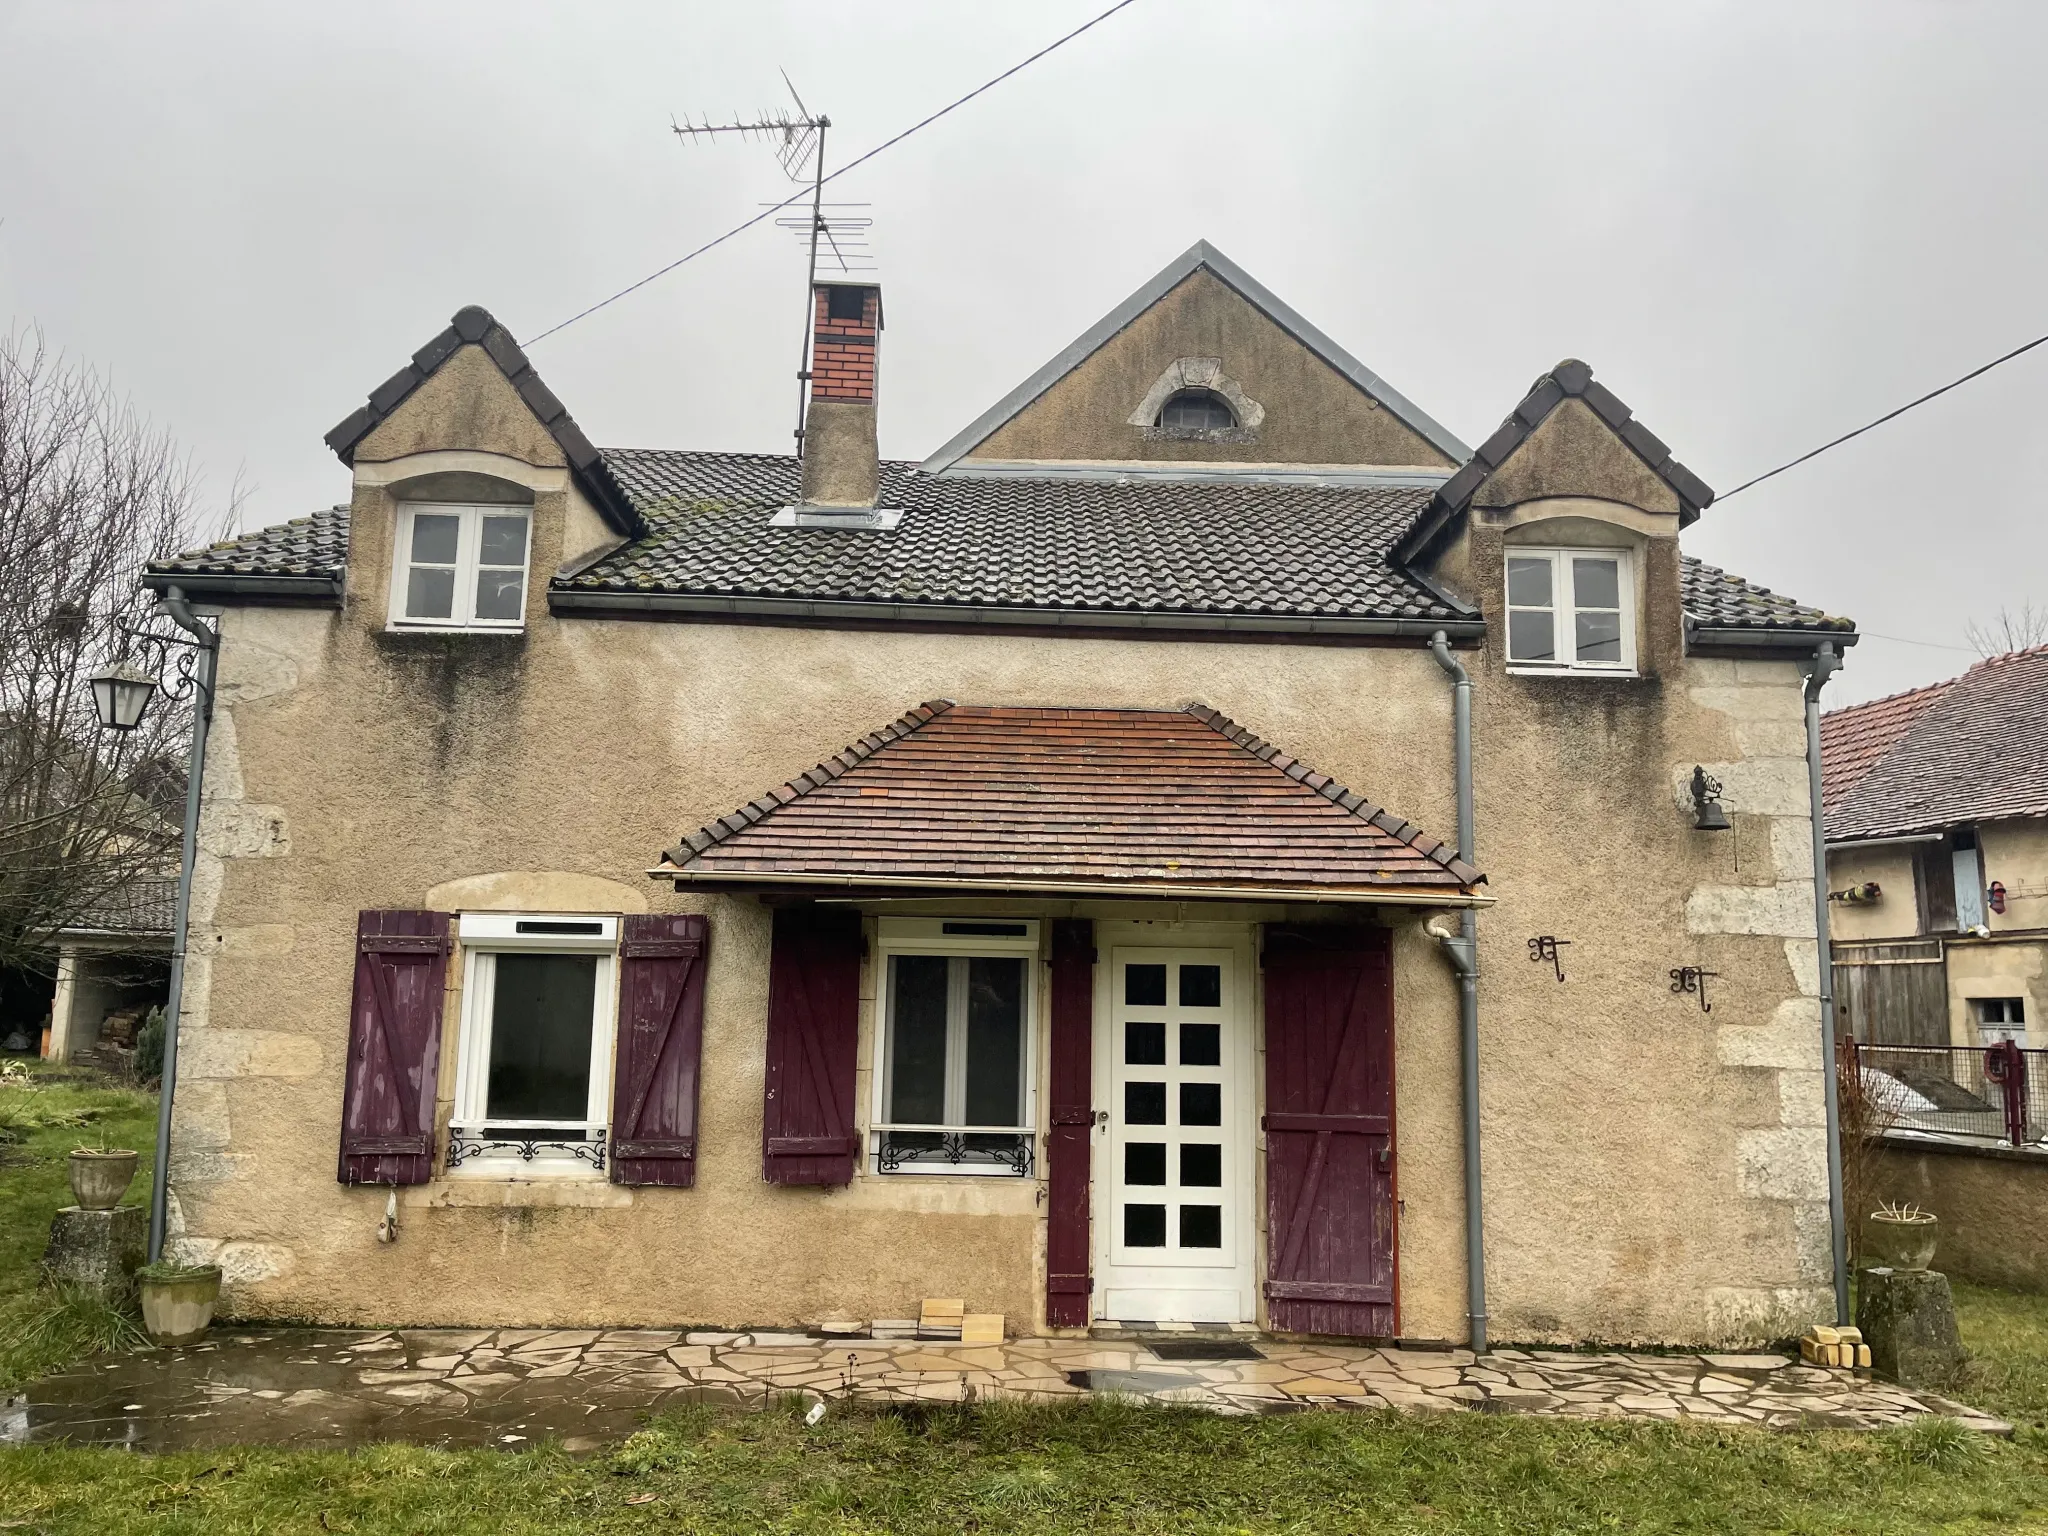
(718, 888)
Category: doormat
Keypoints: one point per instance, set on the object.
(1202, 1349)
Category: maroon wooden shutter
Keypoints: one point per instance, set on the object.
(1067, 1283)
(813, 1022)
(1330, 1131)
(394, 1048)
(661, 1036)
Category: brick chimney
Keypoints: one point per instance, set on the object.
(840, 458)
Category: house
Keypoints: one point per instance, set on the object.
(720, 888)
(1937, 830)
(113, 964)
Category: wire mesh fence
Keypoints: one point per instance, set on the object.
(1994, 1093)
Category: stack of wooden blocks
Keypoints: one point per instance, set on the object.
(947, 1319)
(1842, 1348)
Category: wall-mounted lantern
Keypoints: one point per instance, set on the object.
(1707, 815)
(120, 695)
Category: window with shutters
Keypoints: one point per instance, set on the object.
(954, 1092)
(533, 1063)
(1570, 610)
(459, 567)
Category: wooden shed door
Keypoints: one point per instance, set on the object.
(1329, 1126)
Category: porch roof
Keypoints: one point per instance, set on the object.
(1155, 802)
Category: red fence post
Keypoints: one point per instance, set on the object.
(2006, 1065)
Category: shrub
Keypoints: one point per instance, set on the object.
(149, 1047)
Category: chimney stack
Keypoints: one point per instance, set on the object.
(841, 462)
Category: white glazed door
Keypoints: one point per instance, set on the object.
(1175, 1180)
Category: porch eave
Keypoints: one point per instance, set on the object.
(911, 887)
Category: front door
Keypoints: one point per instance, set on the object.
(1175, 1183)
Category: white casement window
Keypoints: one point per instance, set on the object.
(534, 1061)
(1571, 610)
(459, 567)
(954, 1089)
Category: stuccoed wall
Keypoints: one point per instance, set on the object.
(1996, 968)
(1895, 915)
(1652, 1172)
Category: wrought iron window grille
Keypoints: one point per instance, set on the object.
(1009, 1150)
(463, 1148)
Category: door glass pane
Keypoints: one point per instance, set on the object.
(1599, 636)
(1144, 1103)
(1596, 583)
(1201, 1103)
(1144, 1226)
(1201, 1045)
(1532, 636)
(917, 1039)
(1145, 1045)
(503, 541)
(1201, 1226)
(498, 593)
(1145, 1162)
(995, 1042)
(1529, 583)
(1201, 1165)
(541, 1016)
(433, 538)
(1145, 986)
(1201, 986)
(429, 594)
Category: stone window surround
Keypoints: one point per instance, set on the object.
(1197, 373)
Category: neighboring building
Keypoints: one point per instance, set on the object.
(113, 959)
(1107, 992)
(1937, 827)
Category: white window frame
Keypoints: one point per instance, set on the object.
(468, 538)
(927, 936)
(1564, 611)
(484, 936)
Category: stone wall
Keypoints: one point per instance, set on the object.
(1992, 1201)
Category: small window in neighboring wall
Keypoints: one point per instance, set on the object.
(533, 1063)
(2001, 1018)
(459, 567)
(955, 1081)
(1570, 610)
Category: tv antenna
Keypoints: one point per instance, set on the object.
(799, 140)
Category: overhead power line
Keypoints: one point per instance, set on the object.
(798, 197)
(1888, 416)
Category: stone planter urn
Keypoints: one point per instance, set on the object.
(178, 1300)
(100, 1178)
(1901, 1239)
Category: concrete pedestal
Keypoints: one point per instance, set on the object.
(98, 1250)
(1908, 1319)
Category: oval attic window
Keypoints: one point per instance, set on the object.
(1202, 410)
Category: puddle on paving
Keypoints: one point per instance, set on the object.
(303, 1389)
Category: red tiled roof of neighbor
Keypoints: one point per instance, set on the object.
(1855, 740)
(1976, 750)
(1024, 798)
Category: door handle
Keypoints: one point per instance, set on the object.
(1102, 1117)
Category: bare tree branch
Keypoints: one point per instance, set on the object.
(2009, 631)
(89, 492)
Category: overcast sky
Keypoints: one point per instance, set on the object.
(1761, 223)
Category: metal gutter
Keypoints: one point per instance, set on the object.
(1799, 640)
(232, 584)
(1824, 665)
(1884, 842)
(1407, 896)
(1463, 954)
(581, 600)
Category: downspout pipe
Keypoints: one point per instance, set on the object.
(1462, 950)
(1824, 665)
(179, 611)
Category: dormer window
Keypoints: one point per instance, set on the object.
(1570, 610)
(459, 567)
(1198, 410)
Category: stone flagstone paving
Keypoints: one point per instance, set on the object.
(585, 1387)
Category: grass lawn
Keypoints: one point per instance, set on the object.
(1104, 1466)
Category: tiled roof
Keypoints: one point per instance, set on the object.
(145, 908)
(305, 546)
(1976, 751)
(1052, 543)
(473, 325)
(1714, 599)
(1855, 740)
(1065, 799)
(1066, 545)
